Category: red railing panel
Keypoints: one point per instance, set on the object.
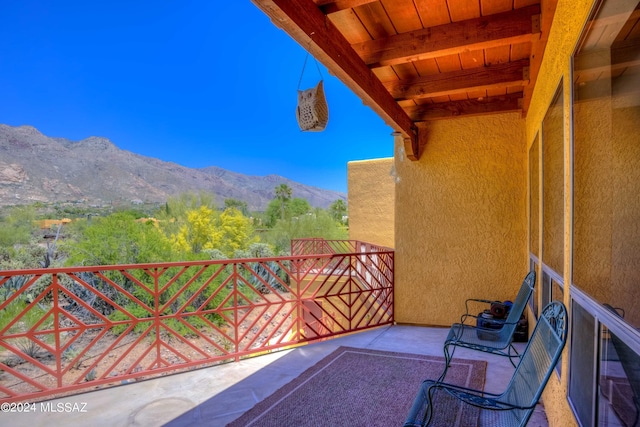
(67, 329)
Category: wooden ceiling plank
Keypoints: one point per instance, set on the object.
(350, 26)
(303, 21)
(385, 74)
(375, 20)
(472, 58)
(333, 6)
(490, 7)
(403, 15)
(406, 103)
(520, 51)
(426, 67)
(481, 78)
(449, 63)
(499, 55)
(471, 107)
(479, 33)
(404, 71)
(463, 10)
(433, 13)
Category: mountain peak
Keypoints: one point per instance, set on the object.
(26, 130)
(36, 167)
(97, 143)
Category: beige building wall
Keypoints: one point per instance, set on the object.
(461, 221)
(371, 197)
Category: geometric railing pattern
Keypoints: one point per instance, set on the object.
(68, 329)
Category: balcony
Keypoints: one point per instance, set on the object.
(217, 395)
(67, 330)
(252, 325)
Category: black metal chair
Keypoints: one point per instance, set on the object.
(514, 406)
(493, 338)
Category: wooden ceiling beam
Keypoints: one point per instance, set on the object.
(517, 26)
(305, 22)
(470, 107)
(498, 76)
(332, 6)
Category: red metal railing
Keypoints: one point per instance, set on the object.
(67, 329)
(314, 246)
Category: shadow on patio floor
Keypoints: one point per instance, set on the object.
(215, 396)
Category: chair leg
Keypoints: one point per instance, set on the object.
(447, 359)
(511, 347)
(422, 409)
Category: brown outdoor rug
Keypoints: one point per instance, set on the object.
(360, 387)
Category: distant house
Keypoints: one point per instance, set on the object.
(48, 223)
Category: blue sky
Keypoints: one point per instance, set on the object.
(199, 83)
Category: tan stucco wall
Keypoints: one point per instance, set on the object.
(461, 228)
(569, 19)
(371, 200)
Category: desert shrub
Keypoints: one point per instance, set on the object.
(25, 323)
(259, 275)
(136, 311)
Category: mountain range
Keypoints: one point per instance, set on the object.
(38, 168)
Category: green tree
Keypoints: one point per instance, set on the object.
(237, 204)
(338, 210)
(318, 224)
(292, 208)
(283, 194)
(298, 207)
(272, 213)
(117, 239)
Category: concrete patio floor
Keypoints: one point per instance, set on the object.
(217, 395)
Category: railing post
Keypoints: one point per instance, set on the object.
(156, 310)
(56, 328)
(298, 301)
(236, 329)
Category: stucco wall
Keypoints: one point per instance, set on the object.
(461, 229)
(371, 201)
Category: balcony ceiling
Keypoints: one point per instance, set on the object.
(414, 61)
